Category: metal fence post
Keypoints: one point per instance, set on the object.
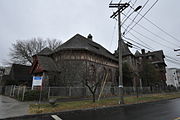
(49, 90)
(70, 91)
(24, 90)
(18, 91)
(11, 90)
(14, 89)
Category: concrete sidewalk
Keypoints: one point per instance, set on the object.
(10, 107)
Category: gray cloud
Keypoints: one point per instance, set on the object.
(61, 19)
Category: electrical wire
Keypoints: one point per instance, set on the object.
(133, 45)
(158, 36)
(139, 40)
(172, 58)
(150, 48)
(153, 50)
(157, 26)
(151, 39)
(168, 58)
(135, 17)
(143, 16)
(136, 42)
(130, 9)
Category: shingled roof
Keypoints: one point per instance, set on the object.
(125, 50)
(47, 63)
(158, 56)
(137, 53)
(45, 51)
(79, 42)
(19, 74)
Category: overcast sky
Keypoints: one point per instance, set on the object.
(62, 19)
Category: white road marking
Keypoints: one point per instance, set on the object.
(56, 117)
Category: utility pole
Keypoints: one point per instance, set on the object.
(120, 7)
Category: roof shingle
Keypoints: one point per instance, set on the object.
(79, 42)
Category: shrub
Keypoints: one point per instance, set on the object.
(34, 95)
(171, 88)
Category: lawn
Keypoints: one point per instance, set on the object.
(62, 106)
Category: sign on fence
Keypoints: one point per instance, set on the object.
(37, 81)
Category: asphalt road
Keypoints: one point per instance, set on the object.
(10, 107)
(163, 110)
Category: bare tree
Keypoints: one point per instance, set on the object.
(92, 87)
(91, 81)
(53, 44)
(23, 50)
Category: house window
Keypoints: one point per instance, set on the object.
(156, 65)
(150, 57)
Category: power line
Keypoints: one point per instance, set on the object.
(137, 43)
(135, 16)
(143, 16)
(133, 45)
(139, 40)
(148, 47)
(172, 58)
(130, 9)
(168, 58)
(151, 39)
(153, 50)
(157, 26)
(177, 63)
(152, 33)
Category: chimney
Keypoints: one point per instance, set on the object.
(90, 37)
(143, 51)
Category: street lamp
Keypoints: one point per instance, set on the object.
(135, 10)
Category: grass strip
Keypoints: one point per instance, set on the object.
(61, 106)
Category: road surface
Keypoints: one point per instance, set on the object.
(162, 110)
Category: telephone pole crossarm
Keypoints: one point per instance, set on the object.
(121, 7)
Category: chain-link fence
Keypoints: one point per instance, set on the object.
(22, 92)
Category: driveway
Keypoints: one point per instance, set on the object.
(10, 107)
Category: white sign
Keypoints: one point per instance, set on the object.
(37, 80)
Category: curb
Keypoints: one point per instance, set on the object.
(79, 111)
